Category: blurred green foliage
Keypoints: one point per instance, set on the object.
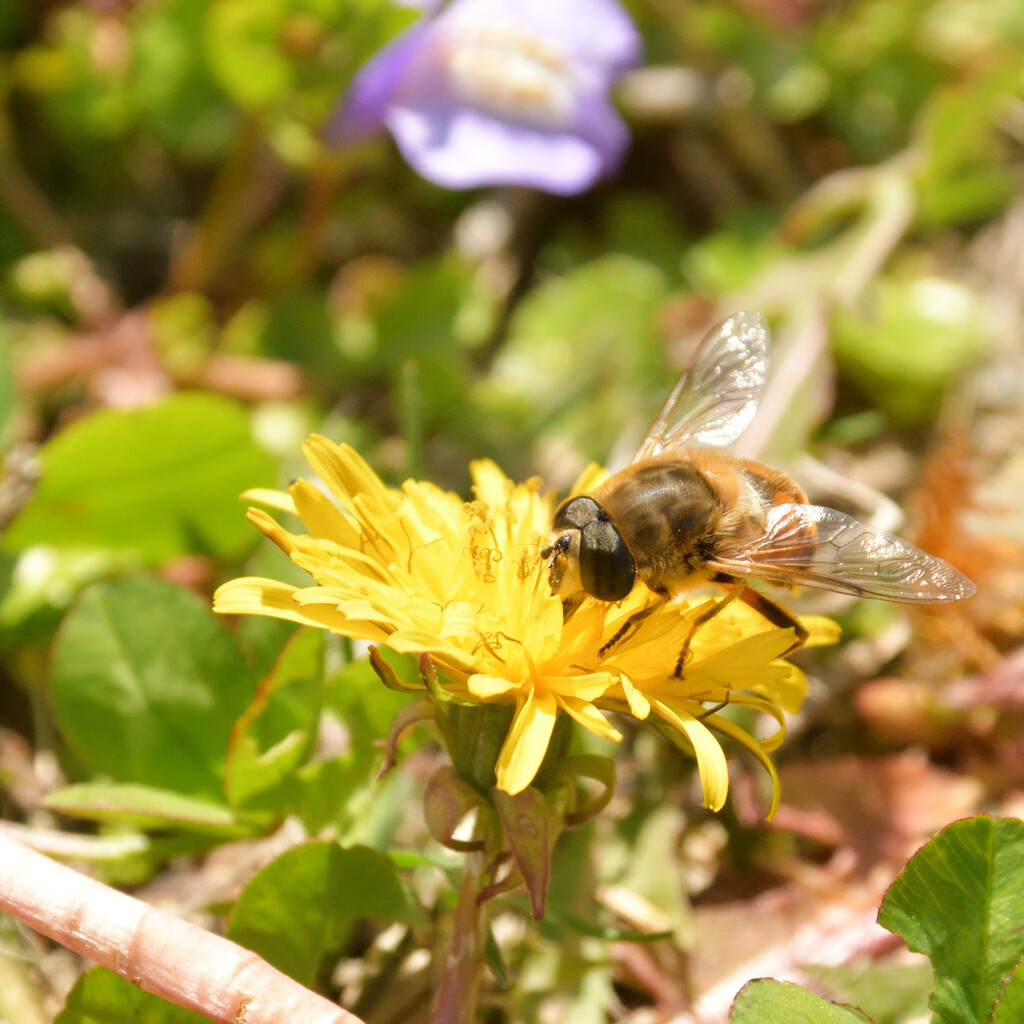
(176, 238)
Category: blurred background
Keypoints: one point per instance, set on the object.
(171, 223)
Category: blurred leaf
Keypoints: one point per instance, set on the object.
(890, 993)
(159, 482)
(642, 226)
(276, 734)
(260, 637)
(298, 911)
(957, 125)
(103, 997)
(306, 50)
(960, 902)
(959, 177)
(7, 392)
(657, 842)
(297, 327)
(175, 93)
(44, 581)
(769, 1000)
(922, 334)
(971, 195)
(422, 321)
(144, 807)
(583, 352)
(146, 686)
(727, 260)
(364, 704)
(243, 35)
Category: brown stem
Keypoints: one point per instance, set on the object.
(24, 200)
(455, 1002)
(159, 953)
(244, 187)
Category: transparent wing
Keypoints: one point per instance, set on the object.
(822, 547)
(716, 397)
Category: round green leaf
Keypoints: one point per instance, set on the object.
(960, 901)
(300, 907)
(160, 482)
(102, 997)
(147, 684)
(1010, 1007)
(767, 1001)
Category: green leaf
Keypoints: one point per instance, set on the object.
(160, 482)
(276, 734)
(7, 393)
(584, 355)
(960, 902)
(920, 334)
(102, 997)
(245, 34)
(958, 123)
(143, 807)
(1010, 1007)
(766, 1001)
(298, 911)
(366, 706)
(146, 686)
(889, 992)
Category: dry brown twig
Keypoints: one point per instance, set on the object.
(160, 953)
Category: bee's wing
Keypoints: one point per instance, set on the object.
(716, 397)
(822, 547)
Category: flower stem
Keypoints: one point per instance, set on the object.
(455, 1002)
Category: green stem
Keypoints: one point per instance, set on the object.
(455, 1002)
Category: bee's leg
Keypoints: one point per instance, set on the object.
(705, 715)
(776, 615)
(570, 604)
(630, 626)
(705, 616)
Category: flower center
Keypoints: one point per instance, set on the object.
(508, 71)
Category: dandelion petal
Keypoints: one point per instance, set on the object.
(526, 743)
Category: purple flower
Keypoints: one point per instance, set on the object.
(482, 92)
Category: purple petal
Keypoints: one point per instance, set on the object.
(364, 110)
(465, 148)
(487, 93)
(597, 32)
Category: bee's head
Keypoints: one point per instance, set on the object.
(586, 552)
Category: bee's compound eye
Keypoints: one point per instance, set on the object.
(576, 513)
(607, 569)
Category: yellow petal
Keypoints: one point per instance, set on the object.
(748, 741)
(589, 717)
(527, 742)
(489, 687)
(590, 478)
(342, 469)
(639, 705)
(711, 766)
(459, 619)
(252, 596)
(322, 517)
(272, 499)
(822, 631)
(489, 483)
(583, 687)
(273, 529)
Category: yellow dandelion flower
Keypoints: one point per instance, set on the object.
(422, 571)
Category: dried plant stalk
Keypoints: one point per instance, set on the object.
(159, 953)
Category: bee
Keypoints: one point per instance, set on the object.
(685, 512)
